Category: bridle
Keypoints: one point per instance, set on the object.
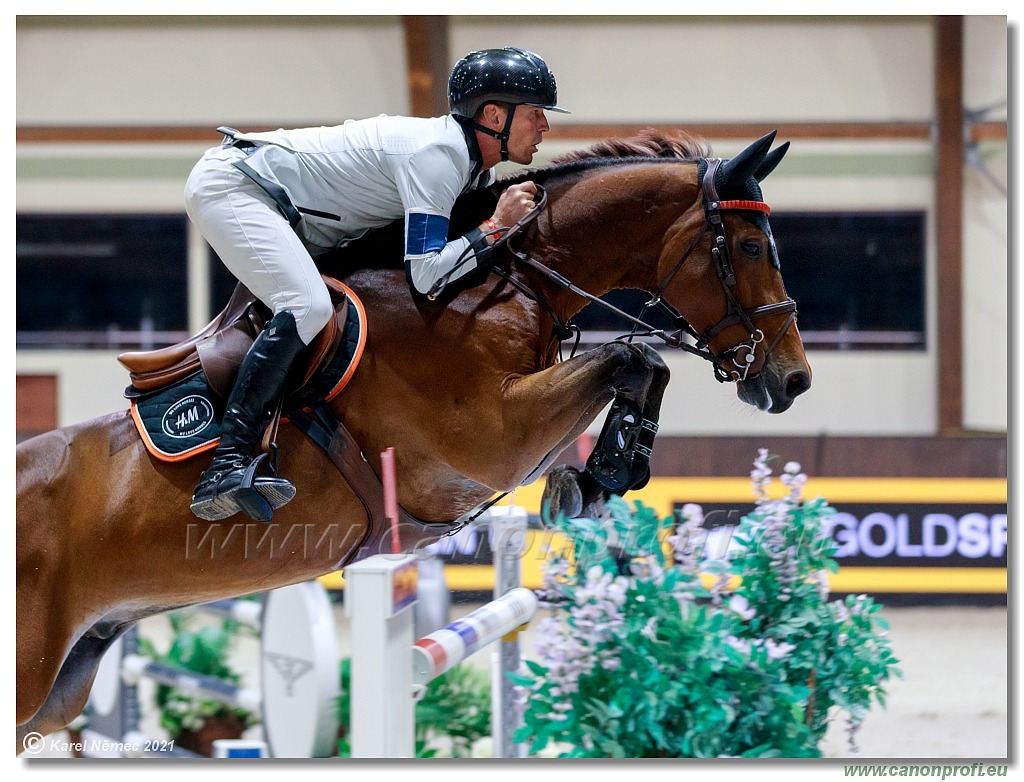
(730, 365)
(743, 355)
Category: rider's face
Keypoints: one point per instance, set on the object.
(529, 124)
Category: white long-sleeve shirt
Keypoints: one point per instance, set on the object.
(363, 174)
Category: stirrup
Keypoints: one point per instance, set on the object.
(257, 497)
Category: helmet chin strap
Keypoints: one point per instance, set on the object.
(503, 134)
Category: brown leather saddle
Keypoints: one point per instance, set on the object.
(219, 348)
(319, 374)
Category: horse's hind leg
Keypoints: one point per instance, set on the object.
(70, 691)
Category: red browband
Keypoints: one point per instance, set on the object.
(759, 206)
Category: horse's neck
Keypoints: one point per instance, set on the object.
(610, 234)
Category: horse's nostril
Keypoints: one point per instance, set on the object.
(797, 383)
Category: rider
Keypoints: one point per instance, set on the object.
(268, 202)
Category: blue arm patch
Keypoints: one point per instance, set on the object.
(425, 233)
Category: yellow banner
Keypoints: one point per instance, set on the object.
(663, 494)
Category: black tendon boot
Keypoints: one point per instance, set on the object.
(230, 484)
(611, 462)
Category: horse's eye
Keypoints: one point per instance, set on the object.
(752, 249)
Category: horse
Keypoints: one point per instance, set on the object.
(470, 390)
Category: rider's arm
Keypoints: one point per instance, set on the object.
(429, 185)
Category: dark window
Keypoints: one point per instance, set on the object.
(858, 280)
(120, 281)
(109, 281)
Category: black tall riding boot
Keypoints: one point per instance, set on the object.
(230, 484)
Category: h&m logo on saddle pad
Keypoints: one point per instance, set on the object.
(187, 417)
(182, 419)
(179, 421)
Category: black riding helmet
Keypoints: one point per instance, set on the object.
(510, 75)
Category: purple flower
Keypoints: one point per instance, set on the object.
(776, 651)
(761, 475)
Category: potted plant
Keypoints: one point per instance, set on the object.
(654, 650)
(194, 722)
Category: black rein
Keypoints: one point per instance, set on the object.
(742, 356)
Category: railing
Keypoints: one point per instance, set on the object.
(115, 339)
(109, 339)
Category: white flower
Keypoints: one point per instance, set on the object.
(739, 605)
(647, 569)
(692, 513)
(761, 475)
(741, 645)
(596, 575)
(651, 629)
(776, 651)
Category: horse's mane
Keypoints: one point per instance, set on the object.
(383, 247)
(649, 142)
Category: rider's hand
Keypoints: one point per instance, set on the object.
(515, 203)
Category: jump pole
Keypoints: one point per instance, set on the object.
(380, 592)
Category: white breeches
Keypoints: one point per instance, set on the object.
(255, 242)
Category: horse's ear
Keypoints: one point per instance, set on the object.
(740, 168)
(771, 160)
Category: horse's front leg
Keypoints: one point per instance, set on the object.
(620, 460)
(640, 468)
(562, 401)
(621, 455)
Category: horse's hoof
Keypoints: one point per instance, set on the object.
(562, 494)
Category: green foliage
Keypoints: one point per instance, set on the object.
(654, 650)
(454, 712)
(205, 650)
